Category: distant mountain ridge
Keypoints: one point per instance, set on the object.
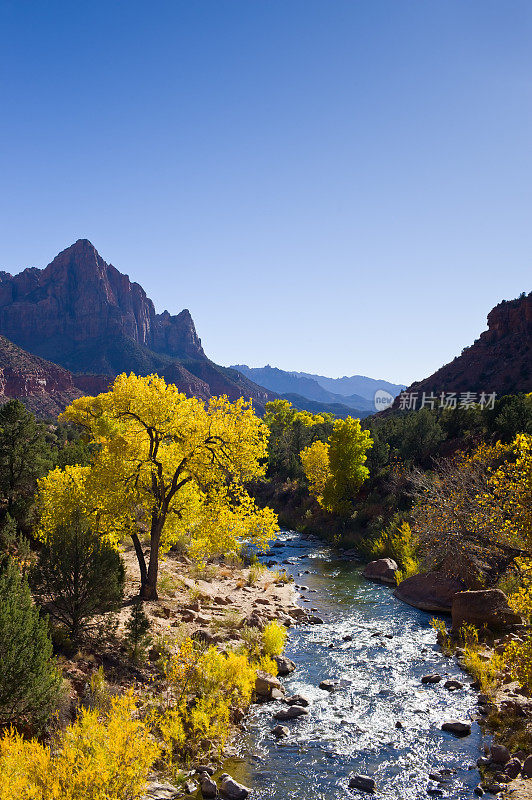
(85, 315)
(316, 388)
(358, 385)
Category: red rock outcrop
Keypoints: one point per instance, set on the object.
(77, 298)
(500, 360)
(430, 591)
(84, 314)
(43, 387)
(485, 607)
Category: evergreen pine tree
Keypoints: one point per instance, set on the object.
(78, 575)
(137, 628)
(24, 457)
(29, 680)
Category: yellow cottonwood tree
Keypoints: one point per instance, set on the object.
(315, 460)
(171, 465)
(337, 469)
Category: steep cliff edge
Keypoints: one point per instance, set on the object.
(500, 360)
(79, 300)
(84, 314)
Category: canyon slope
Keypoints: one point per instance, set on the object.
(500, 360)
(43, 387)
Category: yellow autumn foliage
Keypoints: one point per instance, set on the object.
(274, 638)
(315, 460)
(336, 469)
(204, 686)
(518, 659)
(97, 758)
(171, 466)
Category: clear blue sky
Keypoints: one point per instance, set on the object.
(335, 186)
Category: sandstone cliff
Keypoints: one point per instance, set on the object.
(84, 314)
(78, 300)
(500, 360)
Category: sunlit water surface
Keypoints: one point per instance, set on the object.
(354, 729)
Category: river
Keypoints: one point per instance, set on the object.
(353, 730)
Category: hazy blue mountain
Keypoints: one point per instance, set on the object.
(316, 388)
(357, 385)
(315, 407)
(282, 382)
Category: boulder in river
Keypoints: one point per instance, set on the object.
(513, 768)
(297, 700)
(382, 570)
(232, 789)
(208, 786)
(292, 712)
(429, 591)
(483, 607)
(452, 685)
(284, 665)
(328, 686)
(499, 754)
(457, 727)
(362, 782)
(281, 731)
(527, 767)
(433, 678)
(265, 683)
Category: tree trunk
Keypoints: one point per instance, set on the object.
(140, 558)
(148, 590)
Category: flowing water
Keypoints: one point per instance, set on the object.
(353, 730)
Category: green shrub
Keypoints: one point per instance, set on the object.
(231, 619)
(78, 575)
(137, 627)
(24, 456)
(252, 639)
(29, 680)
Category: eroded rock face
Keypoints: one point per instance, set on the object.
(42, 386)
(382, 570)
(498, 361)
(429, 591)
(85, 315)
(77, 298)
(483, 607)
